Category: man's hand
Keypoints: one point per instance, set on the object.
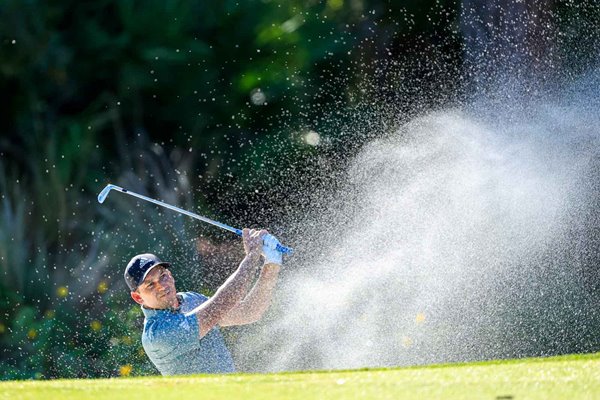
(269, 250)
(253, 240)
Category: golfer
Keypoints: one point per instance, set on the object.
(181, 330)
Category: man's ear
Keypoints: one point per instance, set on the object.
(137, 297)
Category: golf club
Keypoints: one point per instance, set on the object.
(104, 193)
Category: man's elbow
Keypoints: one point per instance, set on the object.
(256, 315)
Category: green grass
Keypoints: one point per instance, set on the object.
(566, 377)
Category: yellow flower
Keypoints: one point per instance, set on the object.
(335, 4)
(62, 291)
(96, 325)
(2, 328)
(102, 287)
(126, 340)
(32, 334)
(406, 342)
(125, 370)
(49, 313)
(420, 318)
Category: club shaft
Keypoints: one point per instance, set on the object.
(180, 210)
(102, 196)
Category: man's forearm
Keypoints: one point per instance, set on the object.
(236, 286)
(262, 292)
(254, 262)
(258, 300)
(227, 296)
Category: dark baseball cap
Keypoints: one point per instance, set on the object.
(139, 267)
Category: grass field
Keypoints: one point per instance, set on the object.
(567, 377)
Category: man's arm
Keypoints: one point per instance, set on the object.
(211, 312)
(254, 305)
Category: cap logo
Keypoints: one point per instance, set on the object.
(144, 262)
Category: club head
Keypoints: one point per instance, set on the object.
(104, 193)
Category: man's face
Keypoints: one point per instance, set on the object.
(157, 290)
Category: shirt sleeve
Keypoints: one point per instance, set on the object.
(195, 300)
(171, 336)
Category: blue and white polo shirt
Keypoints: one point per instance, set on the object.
(172, 341)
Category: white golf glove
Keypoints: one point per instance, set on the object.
(269, 250)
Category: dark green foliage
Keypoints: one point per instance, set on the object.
(203, 104)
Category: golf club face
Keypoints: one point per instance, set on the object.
(104, 193)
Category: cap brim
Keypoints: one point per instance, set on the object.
(160, 264)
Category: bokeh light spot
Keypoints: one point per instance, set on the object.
(62, 291)
(102, 287)
(125, 370)
(96, 325)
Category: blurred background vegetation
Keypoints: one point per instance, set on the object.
(233, 109)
